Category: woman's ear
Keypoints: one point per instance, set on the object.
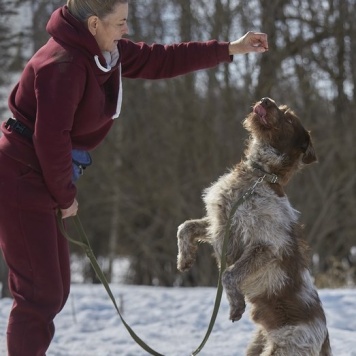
(93, 24)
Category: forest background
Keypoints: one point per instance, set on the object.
(175, 137)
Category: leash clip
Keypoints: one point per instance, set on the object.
(260, 180)
(251, 190)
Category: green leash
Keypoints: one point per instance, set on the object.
(85, 245)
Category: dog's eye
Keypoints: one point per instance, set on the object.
(288, 116)
(288, 119)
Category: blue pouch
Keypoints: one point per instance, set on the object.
(80, 160)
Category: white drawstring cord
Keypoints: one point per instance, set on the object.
(119, 99)
(108, 69)
(105, 70)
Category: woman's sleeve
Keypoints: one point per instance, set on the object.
(58, 88)
(157, 61)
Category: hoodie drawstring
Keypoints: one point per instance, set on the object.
(115, 57)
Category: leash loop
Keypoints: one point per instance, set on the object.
(85, 245)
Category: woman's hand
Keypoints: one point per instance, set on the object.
(250, 42)
(71, 211)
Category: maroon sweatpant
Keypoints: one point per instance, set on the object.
(37, 256)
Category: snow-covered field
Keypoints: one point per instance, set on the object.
(172, 321)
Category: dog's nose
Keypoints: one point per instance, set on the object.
(266, 102)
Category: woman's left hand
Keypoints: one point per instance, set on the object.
(250, 42)
(71, 211)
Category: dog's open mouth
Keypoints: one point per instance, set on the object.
(262, 113)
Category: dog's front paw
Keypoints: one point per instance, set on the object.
(186, 256)
(237, 310)
(184, 263)
(186, 249)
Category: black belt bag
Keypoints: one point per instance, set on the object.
(19, 127)
(80, 159)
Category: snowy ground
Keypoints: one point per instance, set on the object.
(172, 321)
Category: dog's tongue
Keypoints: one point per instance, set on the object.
(260, 111)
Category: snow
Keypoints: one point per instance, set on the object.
(173, 321)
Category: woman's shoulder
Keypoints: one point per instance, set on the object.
(54, 55)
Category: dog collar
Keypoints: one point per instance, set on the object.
(270, 177)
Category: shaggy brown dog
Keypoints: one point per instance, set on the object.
(267, 263)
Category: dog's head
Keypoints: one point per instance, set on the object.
(279, 127)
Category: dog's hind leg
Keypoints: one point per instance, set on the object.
(234, 296)
(253, 259)
(326, 349)
(257, 344)
(188, 235)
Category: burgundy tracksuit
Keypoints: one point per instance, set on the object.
(37, 256)
(67, 95)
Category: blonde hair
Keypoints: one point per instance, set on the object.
(83, 9)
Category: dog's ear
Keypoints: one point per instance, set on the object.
(309, 155)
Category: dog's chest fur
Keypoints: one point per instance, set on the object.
(264, 218)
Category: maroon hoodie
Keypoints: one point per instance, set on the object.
(69, 102)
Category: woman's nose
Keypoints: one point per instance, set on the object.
(125, 30)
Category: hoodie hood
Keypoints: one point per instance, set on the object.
(68, 31)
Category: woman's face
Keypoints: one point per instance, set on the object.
(108, 30)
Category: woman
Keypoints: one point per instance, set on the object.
(67, 97)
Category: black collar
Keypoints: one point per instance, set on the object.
(270, 177)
